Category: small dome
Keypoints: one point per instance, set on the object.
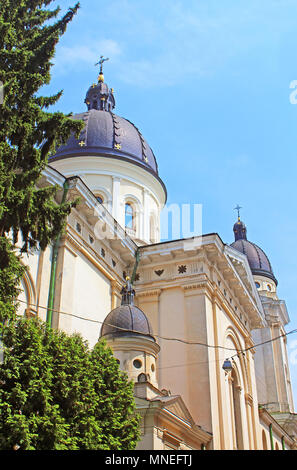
(127, 319)
(258, 260)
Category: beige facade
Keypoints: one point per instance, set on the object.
(204, 307)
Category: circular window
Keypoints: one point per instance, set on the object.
(269, 287)
(137, 363)
(258, 285)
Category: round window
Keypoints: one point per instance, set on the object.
(258, 285)
(137, 363)
(269, 287)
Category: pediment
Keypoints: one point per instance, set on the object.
(176, 406)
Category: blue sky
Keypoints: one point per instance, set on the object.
(208, 84)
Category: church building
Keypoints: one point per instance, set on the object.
(195, 323)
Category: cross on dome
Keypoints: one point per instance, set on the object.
(101, 62)
(237, 208)
(99, 96)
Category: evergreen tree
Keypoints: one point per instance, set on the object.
(29, 32)
(55, 394)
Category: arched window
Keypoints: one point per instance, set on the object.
(264, 440)
(27, 296)
(129, 216)
(100, 198)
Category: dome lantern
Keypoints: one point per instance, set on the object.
(239, 227)
(99, 96)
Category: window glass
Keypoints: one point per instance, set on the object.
(129, 216)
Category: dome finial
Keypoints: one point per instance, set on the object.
(101, 61)
(128, 293)
(239, 228)
(237, 208)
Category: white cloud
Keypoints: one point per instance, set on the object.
(80, 55)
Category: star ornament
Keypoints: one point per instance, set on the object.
(117, 146)
(82, 143)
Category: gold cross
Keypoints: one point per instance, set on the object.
(117, 146)
(82, 143)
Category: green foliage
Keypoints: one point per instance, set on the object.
(55, 394)
(29, 32)
(28, 133)
(11, 273)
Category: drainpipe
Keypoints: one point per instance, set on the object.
(271, 437)
(137, 258)
(56, 245)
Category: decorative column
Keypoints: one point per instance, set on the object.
(116, 185)
(232, 411)
(114, 294)
(146, 216)
(249, 410)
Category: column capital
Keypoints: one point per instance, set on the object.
(116, 179)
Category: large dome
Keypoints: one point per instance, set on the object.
(258, 260)
(106, 134)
